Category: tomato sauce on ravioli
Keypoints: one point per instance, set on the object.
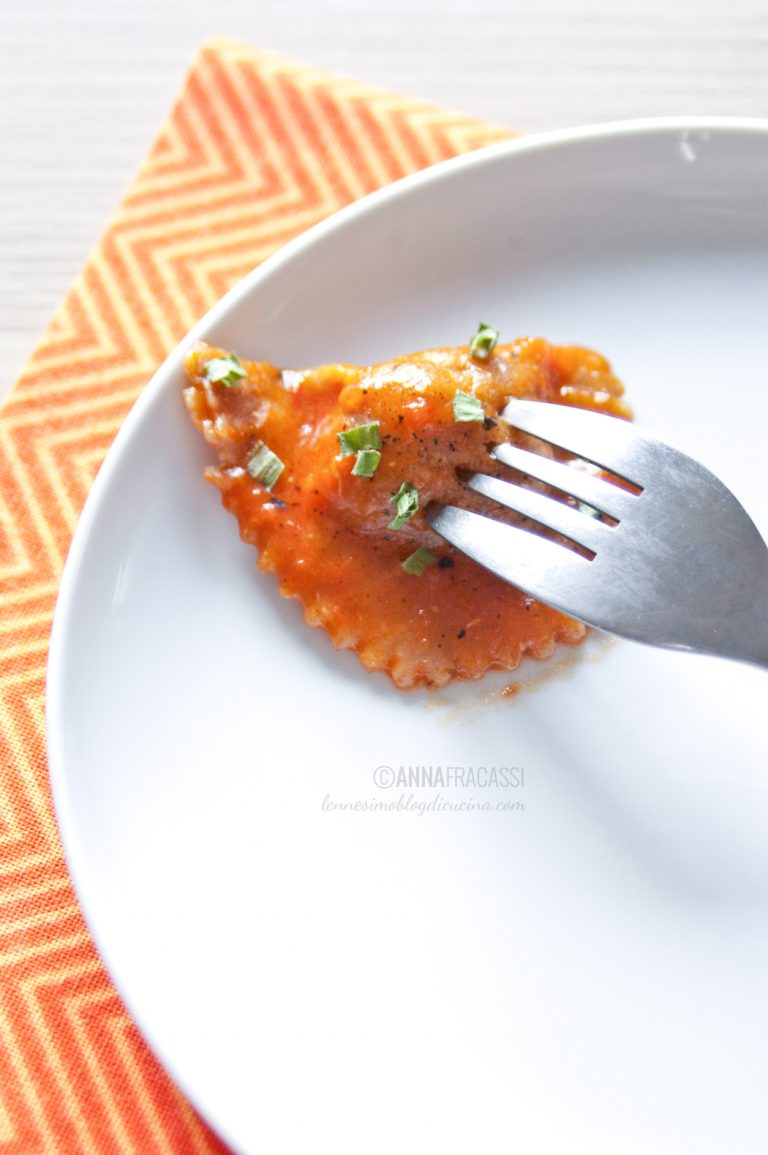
(324, 529)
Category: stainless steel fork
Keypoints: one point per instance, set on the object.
(675, 561)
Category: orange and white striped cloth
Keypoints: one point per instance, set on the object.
(255, 150)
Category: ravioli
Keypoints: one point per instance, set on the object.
(340, 521)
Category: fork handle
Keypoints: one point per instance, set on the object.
(745, 640)
(757, 654)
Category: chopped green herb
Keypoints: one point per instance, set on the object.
(366, 436)
(589, 510)
(264, 465)
(418, 561)
(484, 341)
(406, 502)
(366, 462)
(224, 370)
(466, 407)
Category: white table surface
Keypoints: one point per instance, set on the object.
(85, 84)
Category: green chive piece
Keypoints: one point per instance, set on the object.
(366, 436)
(366, 462)
(224, 370)
(406, 502)
(484, 341)
(466, 407)
(418, 561)
(264, 465)
(589, 510)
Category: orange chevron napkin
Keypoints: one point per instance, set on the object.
(255, 150)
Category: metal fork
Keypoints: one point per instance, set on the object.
(680, 563)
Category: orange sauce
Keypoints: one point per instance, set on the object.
(325, 533)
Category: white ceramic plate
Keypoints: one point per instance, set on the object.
(586, 974)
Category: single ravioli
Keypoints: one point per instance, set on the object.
(320, 508)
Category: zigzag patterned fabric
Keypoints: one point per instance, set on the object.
(255, 150)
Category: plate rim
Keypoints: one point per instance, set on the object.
(60, 639)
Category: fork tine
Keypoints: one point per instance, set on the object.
(543, 569)
(685, 568)
(595, 491)
(572, 523)
(607, 441)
